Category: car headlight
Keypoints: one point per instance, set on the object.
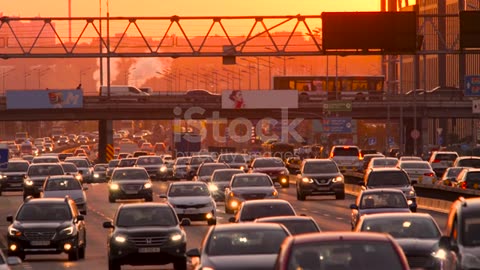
(440, 254)
(232, 194)
(14, 232)
(96, 175)
(213, 187)
(28, 182)
(2, 176)
(147, 185)
(176, 237)
(120, 239)
(78, 177)
(68, 231)
(114, 186)
(307, 180)
(411, 193)
(275, 193)
(163, 169)
(337, 179)
(242, 167)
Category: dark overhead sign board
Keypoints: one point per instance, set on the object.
(469, 29)
(390, 32)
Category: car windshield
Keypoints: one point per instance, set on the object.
(17, 167)
(245, 242)
(99, 168)
(252, 212)
(453, 172)
(146, 216)
(231, 159)
(62, 184)
(473, 163)
(149, 161)
(320, 167)
(80, 163)
(207, 170)
(416, 165)
(126, 162)
(130, 175)
(251, 181)
(224, 176)
(113, 163)
(388, 179)
(345, 254)
(200, 160)
(403, 227)
(45, 212)
(44, 170)
(383, 200)
(300, 226)
(271, 162)
(188, 190)
(69, 168)
(345, 152)
(181, 161)
(377, 162)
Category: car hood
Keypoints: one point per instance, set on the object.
(237, 262)
(125, 182)
(414, 246)
(383, 210)
(149, 229)
(244, 190)
(318, 175)
(74, 194)
(40, 224)
(189, 200)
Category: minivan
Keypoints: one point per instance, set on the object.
(122, 90)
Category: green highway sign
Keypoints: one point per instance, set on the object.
(337, 106)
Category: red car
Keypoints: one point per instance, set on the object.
(341, 250)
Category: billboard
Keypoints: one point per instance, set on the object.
(44, 99)
(472, 85)
(259, 99)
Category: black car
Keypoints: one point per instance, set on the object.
(36, 175)
(11, 179)
(130, 183)
(146, 234)
(319, 177)
(47, 226)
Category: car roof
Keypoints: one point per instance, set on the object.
(380, 190)
(266, 201)
(283, 218)
(397, 214)
(247, 225)
(468, 157)
(229, 170)
(190, 183)
(144, 205)
(45, 200)
(130, 169)
(385, 169)
(61, 176)
(249, 174)
(318, 160)
(341, 236)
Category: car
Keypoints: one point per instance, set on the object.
(11, 178)
(130, 183)
(467, 161)
(112, 164)
(180, 167)
(319, 177)
(248, 186)
(194, 163)
(461, 241)
(382, 200)
(382, 162)
(84, 166)
(449, 177)
(205, 171)
(146, 234)
(47, 226)
(36, 175)
(153, 165)
(253, 209)
(192, 200)
(45, 159)
(240, 246)
(441, 160)
(391, 178)
(100, 172)
(71, 169)
(348, 157)
(417, 233)
(274, 167)
(367, 158)
(219, 181)
(341, 250)
(295, 224)
(418, 171)
(59, 186)
(233, 160)
(469, 178)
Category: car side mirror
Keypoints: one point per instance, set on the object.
(353, 206)
(194, 252)
(108, 225)
(231, 220)
(444, 243)
(10, 218)
(185, 222)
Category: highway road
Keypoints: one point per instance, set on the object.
(328, 212)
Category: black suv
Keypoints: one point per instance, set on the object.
(11, 179)
(146, 234)
(319, 177)
(36, 175)
(391, 178)
(462, 240)
(47, 226)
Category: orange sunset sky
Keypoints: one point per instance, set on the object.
(84, 8)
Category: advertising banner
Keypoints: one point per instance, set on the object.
(259, 99)
(44, 99)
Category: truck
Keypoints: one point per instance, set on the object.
(186, 143)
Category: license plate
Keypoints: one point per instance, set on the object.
(149, 250)
(322, 188)
(40, 243)
(190, 211)
(131, 192)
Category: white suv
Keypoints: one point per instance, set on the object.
(441, 160)
(347, 157)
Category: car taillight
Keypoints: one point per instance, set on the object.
(463, 185)
(429, 174)
(331, 155)
(360, 157)
(436, 161)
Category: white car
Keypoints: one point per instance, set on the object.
(419, 171)
(192, 200)
(441, 160)
(59, 186)
(347, 157)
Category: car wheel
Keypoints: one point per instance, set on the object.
(180, 264)
(149, 199)
(113, 265)
(73, 255)
(212, 222)
(340, 196)
(81, 253)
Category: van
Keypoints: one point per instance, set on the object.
(348, 157)
(122, 90)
